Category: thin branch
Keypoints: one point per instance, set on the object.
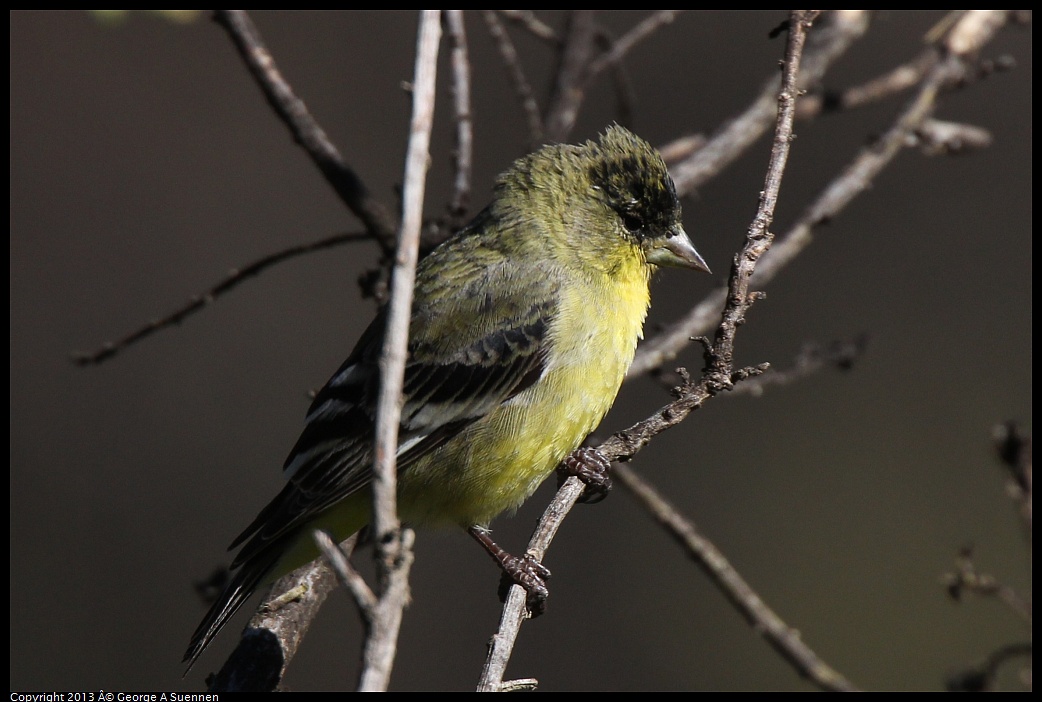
(463, 156)
(515, 609)
(625, 95)
(971, 31)
(1014, 448)
(840, 354)
(682, 147)
(854, 180)
(936, 137)
(614, 50)
(837, 32)
(570, 74)
(338, 558)
(305, 129)
(274, 633)
(721, 375)
(898, 80)
(535, 26)
(235, 277)
(622, 46)
(759, 236)
(393, 355)
(522, 87)
(982, 677)
(393, 545)
(966, 578)
(762, 618)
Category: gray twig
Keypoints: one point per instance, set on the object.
(306, 131)
(393, 544)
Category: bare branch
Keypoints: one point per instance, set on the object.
(622, 46)
(763, 619)
(274, 633)
(759, 237)
(897, 80)
(517, 75)
(198, 302)
(966, 578)
(682, 147)
(393, 545)
(1014, 449)
(935, 137)
(840, 354)
(338, 558)
(570, 74)
(463, 156)
(837, 32)
(720, 375)
(514, 609)
(625, 95)
(982, 677)
(535, 26)
(972, 30)
(306, 131)
(855, 179)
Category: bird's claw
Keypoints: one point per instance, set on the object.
(591, 467)
(531, 575)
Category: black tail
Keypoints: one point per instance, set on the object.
(243, 584)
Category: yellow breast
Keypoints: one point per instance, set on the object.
(496, 463)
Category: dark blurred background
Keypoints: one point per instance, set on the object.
(145, 164)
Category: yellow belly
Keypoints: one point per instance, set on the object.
(496, 463)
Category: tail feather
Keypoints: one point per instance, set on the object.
(243, 584)
(266, 556)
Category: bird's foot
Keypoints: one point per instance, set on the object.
(525, 571)
(591, 467)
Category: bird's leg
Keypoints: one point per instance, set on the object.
(525, 571)
(591, 467)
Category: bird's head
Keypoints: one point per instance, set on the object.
(604, 196)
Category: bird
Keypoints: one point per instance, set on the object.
(522, 328)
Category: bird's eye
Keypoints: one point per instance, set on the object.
(632, 222)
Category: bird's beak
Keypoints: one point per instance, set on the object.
(676, 250)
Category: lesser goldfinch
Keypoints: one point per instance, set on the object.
(523, 326)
